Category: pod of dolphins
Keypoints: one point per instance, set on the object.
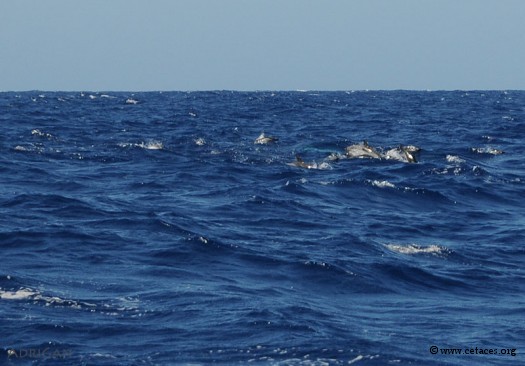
(403, 153)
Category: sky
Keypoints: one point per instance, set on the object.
(145, 45)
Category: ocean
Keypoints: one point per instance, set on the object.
(152, 229)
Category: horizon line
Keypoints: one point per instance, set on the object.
(250, 90)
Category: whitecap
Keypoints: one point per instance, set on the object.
(131, 101)
(416, 249)
(200, 141)
(37, 132)
(25, 293)
(382, 184)
(487, 150)
(454, 159)
(356, 359)
(21, 294)
(151, 145)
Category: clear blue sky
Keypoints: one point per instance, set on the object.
(261, 44)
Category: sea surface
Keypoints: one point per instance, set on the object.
(150, 229)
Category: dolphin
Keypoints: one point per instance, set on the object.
(263, 139)
(361, 151)
(406, 154)
(299, 162)
(412, 148)
(335, 156)
(409, 152)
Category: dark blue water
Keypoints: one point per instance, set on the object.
(149, 229)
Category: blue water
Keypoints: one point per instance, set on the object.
(149, 229)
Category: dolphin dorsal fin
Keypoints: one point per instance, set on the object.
(298, 158)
